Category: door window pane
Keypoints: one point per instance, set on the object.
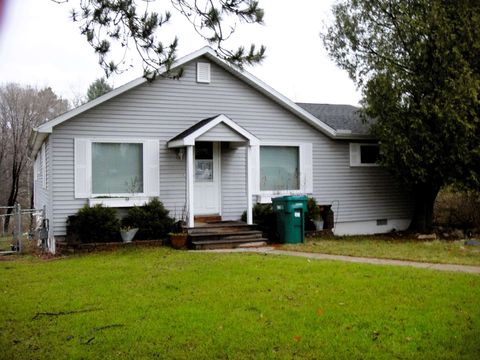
(117, 168)
(279, 168)
(204, 162)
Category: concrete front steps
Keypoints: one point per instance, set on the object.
(224, 235)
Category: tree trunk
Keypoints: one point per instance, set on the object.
(12, 198)
(422, 219)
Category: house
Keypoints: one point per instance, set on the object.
(215, 141)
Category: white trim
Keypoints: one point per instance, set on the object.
(209, 189)
(190, 139)
(356, 155)
(43, 157)
(265, 196)
(249, 186)
(88, 141)
(119, 202)
(369, 227)
(36, 167)
(190, 175)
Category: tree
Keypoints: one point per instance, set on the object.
(122, 23)
(418, 65)
(98, 88)
(21, 109)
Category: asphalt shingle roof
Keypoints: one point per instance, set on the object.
(339, 117)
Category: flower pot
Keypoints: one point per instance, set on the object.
(178, 241)
(318, 224)
(127, 236)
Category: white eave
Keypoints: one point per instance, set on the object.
(190, 137)
(46, 128)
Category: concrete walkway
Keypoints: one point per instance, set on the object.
(354, 259)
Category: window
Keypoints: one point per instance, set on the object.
(204, 162)
(117, 168)
(279, 168)
(364, 154)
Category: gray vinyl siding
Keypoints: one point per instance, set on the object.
(234, 182)
(41, 193)
(221, 131)
(166, 107)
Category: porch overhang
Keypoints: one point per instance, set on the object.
(204, 130)
(190, 135)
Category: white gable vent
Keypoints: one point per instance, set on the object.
(203, 72)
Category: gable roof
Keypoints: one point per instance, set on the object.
(342, 118)
(188, 136)
(40, 133)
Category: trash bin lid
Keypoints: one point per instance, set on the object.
(295, 198)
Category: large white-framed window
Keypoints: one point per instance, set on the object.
(364, 154)
(282, 168)
(116, 168)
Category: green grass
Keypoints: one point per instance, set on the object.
(5, 242)
(437, 251)
(160, 303)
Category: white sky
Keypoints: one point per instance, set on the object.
(41, 46)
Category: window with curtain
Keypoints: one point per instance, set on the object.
(117, 168)
(279, 168)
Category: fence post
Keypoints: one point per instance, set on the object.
(18, 226)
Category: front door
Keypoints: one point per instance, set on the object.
(206, 196)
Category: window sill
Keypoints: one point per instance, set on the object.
(119, 202)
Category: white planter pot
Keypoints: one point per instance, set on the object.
(127, 236)
(318, 224)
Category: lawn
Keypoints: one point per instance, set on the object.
(161, 303)
(5, 242)
(437, 251)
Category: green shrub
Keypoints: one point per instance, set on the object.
(96, 224)
(313, 213)
(151, 219)
(264, 218)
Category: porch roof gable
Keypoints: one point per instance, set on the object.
(188, 136)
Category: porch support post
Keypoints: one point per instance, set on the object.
(249, 185)
(189, 171)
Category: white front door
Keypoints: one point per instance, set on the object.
(207, 178)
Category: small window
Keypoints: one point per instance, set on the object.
(204, 162)
(117, 168)
(364, 154)
(369, 154)
(279, 168)
(203, 72)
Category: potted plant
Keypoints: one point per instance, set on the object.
(178, 236)
(128, 233)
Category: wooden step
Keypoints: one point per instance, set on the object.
(207, 218)
(227, 244)
(226, 235)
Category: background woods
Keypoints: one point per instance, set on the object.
(21, 109)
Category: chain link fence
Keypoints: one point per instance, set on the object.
(22, 227)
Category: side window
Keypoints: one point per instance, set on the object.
(364, 154)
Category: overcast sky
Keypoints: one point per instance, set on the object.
(41, 46)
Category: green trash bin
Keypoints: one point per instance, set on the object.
(290, 213)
